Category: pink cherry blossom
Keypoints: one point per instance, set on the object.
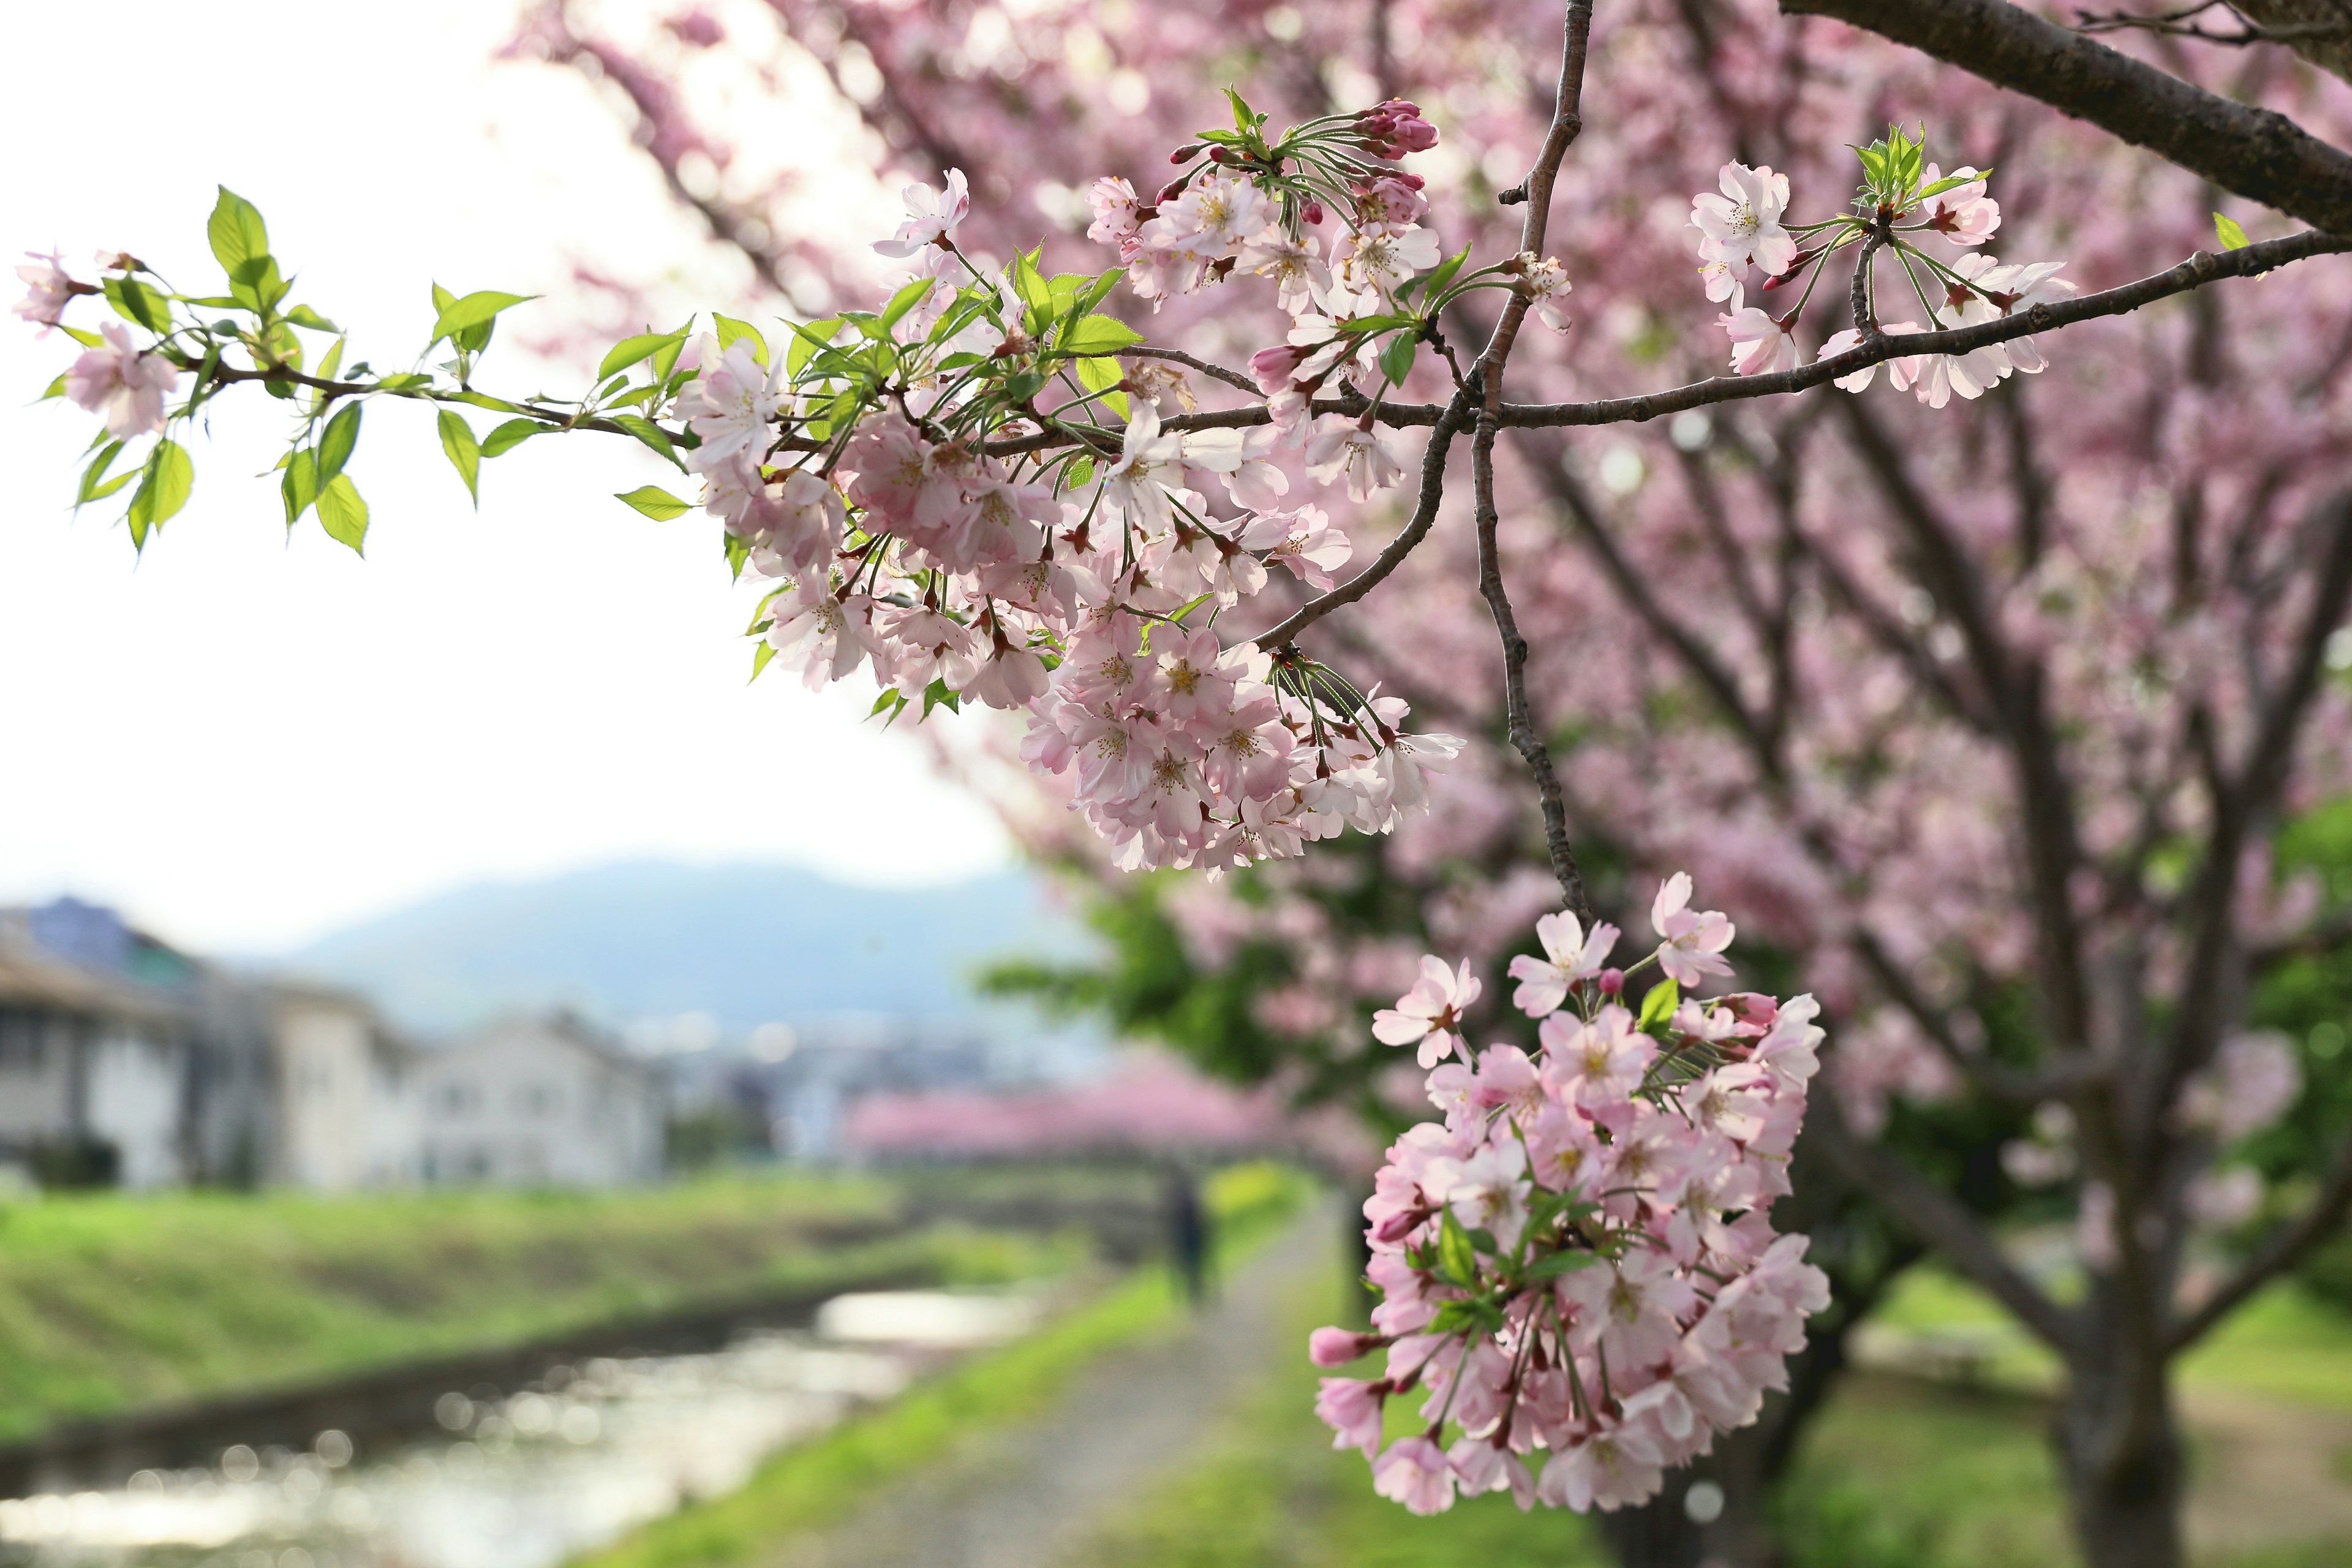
(48, 291)
(932, 219)
(1570, 957)
(1430, 1015)
(1415, 1471)
(1741, 227)
(125, 385)
(1695, 940)
(1760, 343)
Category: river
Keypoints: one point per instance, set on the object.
(527, 1477)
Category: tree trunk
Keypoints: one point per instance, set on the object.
(2120, 1448)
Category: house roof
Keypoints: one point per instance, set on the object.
(30, 978)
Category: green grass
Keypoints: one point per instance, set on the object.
(109, 1302)
(806, 1487)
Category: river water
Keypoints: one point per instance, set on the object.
(523, 1478)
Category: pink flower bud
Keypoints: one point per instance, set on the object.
(1613, 981)
(1312, 212)
(1337, 1347)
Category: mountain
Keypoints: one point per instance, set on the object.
(745, 943)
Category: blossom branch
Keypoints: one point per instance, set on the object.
(1231, 378)
(2256, 153)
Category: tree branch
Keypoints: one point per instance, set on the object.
(2281, 1249)
(1936, 1218)
(2256, 153)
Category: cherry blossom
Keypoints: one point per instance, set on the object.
(1760, 343)
(932, 219)
(1695, 940)
(123, 383)
(1578, 1258)
(1570, 958)
(1741, 227)
(48, 289)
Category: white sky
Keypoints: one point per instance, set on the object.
(246, 741)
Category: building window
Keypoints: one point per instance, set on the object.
(23, 1043)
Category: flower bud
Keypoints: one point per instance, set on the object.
(1613, 981)
(1187, 152)
(1337, 1347)
(1312, 212)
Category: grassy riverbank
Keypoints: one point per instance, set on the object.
(807, 1488)
(111, 1301)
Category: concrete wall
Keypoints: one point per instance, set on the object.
(532, 1104)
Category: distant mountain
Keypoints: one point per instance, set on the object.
(745, 943)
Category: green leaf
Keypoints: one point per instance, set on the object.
(1099, 335)
(633, 351)
(1552, 1265)
(1081, 472)
(732, 332)
(910, 294)
(2227, 230)
(666, 359)
(937, 695)
(162, 489)
(651, 434)
(1660, 1003)
(465, 452)
(891, 696)
(441, 299)
(475, 310)
(766, 651)
(90, 475)
(300, 486)
(336, 446)
(1101, 375)
(1396, 357)
(1950, 181)
(86, 340)
(1030, 283)
(1434, 283)
(303, 316)
(56, 389)
(808, 337)
(511, 434)
(738, 550)
(254, 283)
(135, 301)
(1455, 1257)
(655, 502)
(236, 231)
(343, 514)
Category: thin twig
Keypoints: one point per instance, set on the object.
(1231, 378)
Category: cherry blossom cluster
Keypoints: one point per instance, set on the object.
(1578, 1258)
(1247, 204)
(1744, 241)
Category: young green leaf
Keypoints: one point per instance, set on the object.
(300, 486)
(732, 332)
(56, 389)
(162, 489)
(738, 552)
(1552, 1265)
(92, 475)
(1660, 1003)
(910, 294)
(2227, 230)
(1396, 357)
(655, 502)
(136, 303)
(1099, 335)
(237, 232)
(343, 514)
(631, 351)
(808, 337)
(475, 310)
(511, 434)
(1455, 1255)
(766, 651)
(1101, 375)
(336, 446)
(465, 452)
(303, 316)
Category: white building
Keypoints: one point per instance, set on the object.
(94, 1074)
(539, 1102)
(346, 1102)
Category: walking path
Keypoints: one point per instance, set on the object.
(1021, 1496)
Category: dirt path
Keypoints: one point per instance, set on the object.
(2269, 1472)
(1021, 1496)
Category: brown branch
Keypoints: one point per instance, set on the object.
(2256, 153)
(2281, 1249)
(1487, 376)
(1233, 378)
(1936, 1218)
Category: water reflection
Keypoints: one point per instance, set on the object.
(523, 1479)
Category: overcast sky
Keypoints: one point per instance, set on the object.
(246, 740)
